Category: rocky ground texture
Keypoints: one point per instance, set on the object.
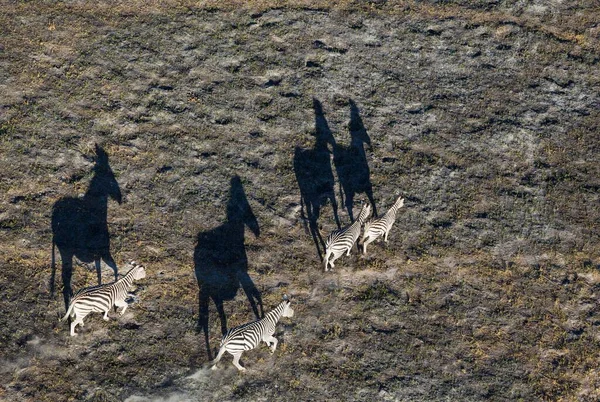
(214, 116)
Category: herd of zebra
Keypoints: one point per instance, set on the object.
(342, 241)
(102, 298)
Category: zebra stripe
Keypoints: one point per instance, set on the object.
(340, 241)
(248, 336)
(101, 298)
(381, 226)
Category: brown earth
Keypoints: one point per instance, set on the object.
(215, 117)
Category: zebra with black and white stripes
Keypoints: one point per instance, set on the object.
(381, 226)
(102, 297)
(248, 336)
(340, 241)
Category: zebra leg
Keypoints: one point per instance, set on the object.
(105, 318)
(236, 361)
(368, 241)
(327, 262)
(271, 340)
(336, 255)
(73, 324)
(123, 304)
(76, 320)
(385, 236)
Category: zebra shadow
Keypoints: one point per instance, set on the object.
(312, 167)
(221, 263)
(79, 226)
(351, 164)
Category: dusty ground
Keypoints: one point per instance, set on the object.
(484, 118)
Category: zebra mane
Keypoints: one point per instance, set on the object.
(279, 308)
(90, 289)
(397, 205)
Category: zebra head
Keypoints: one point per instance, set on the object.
(288, 311)
(138, 271)
(399, 202)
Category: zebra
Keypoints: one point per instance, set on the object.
(101, 298)
(248, 336)
(340, 241)
(381, 226)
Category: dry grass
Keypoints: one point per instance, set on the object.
(565, 23)
(484, 118)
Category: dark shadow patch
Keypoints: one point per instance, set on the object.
(80, 228)
(351, 164)
(312, 167)
(221, 263)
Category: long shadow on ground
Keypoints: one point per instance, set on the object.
(351, 164)
(80, 228)
(221, 263)
(314, 175)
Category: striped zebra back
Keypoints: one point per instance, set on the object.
(100, 297)
(248, 336)
(349, 233)
(135, 273)
(378, 226)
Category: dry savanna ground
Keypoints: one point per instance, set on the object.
(216, 142)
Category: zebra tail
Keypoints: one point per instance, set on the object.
(68, 311)
(217, 357)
